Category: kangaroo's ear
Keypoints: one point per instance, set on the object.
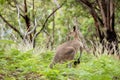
(74, 28)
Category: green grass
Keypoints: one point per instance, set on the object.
(18, 65)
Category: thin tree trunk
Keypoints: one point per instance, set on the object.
(27, 21)
(53, 31)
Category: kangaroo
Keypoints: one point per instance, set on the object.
(67, 50)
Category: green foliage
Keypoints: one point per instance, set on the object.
(87, 27)
(15, 64)
(2, 2)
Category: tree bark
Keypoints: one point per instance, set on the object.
(27, 21)
(104, 18)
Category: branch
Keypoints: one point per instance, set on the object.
(10, 3)
(36, 34)
(47, 20)
(27, 19)
(100, 4)
(18, 15)
(56, 2)
(86, 3)
(22, 16)
(92, 11)
(25, 6)
(35, 26)
(11, 26)
(94, 15)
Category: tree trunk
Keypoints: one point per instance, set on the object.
(108, 16)
(104, 22)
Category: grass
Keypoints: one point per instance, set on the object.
(33, 65)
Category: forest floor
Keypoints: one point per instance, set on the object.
(34, 65)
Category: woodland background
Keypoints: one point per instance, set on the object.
(30, 31)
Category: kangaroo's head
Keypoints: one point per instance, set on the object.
(74, 33)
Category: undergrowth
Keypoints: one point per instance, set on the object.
(29, 65)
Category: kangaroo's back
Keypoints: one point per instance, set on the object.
(67, 50)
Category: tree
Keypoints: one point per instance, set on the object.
(28, 30)
(103, 13)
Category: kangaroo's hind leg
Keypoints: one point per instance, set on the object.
(69, 55)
